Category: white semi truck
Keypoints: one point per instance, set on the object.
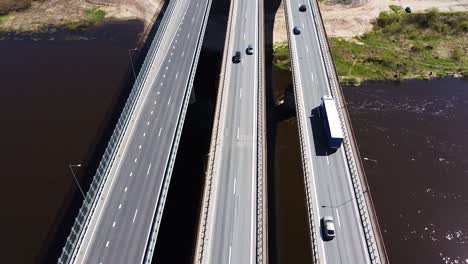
(331, 121)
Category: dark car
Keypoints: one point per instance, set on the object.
(296, 31)
(302, 8)
(249, 50)
(237, 57)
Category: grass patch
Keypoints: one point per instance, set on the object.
(3, 18)
(403, 46)
(281, 55)
(94, 15)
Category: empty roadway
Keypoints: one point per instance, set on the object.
(330, 176)
(231, 221)
(124, 224)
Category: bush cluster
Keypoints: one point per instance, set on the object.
(397, 21)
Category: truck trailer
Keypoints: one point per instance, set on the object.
(331, 121)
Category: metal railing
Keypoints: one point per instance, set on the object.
(313, 226)
(262, 242)
(351, 151)
(202, 226)
(89, 204)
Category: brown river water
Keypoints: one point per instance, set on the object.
(57, 95)
(413, 138)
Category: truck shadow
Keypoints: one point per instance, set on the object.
(319, 134)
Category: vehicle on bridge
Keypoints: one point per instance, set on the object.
(302, 8)
(237, 57)
(331, 121)
(296, 31)
(249, 50)
(328, 228)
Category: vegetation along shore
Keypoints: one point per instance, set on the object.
(400, 46)
(28, 16)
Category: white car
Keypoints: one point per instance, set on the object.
(328, 227)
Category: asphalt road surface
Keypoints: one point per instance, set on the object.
(232, 224)
(331, 177)
(124, 224)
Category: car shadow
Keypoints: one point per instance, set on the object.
(319, 134)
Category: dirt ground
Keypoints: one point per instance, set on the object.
(349, 18)
(53, 13)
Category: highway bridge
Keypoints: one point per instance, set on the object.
(120, 217)
(232, 217)
(334, 179)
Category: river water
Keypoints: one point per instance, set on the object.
(413, 137)
(57, 96)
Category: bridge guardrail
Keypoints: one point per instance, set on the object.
(87, 209)
(375, 248)
(202, 226)
(157, 221)
(262, 198)
(313, 226)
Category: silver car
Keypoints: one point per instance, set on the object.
(328, 227)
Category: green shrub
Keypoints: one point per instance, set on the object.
(94, 15)
(386, 18)
(396, 9)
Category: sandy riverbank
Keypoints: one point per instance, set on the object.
(41, 15)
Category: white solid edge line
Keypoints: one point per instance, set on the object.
(304, 118)
(254, 168)
(106, 196)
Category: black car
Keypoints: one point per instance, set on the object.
(296, 31)
(302, 8)
(237, 57)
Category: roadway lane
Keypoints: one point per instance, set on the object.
(332, 181)
(125, 223)
(232, 223)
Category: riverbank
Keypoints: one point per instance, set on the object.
(400, 46)
(27, 16)
(405, 46)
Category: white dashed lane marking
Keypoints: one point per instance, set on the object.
(134, 217)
